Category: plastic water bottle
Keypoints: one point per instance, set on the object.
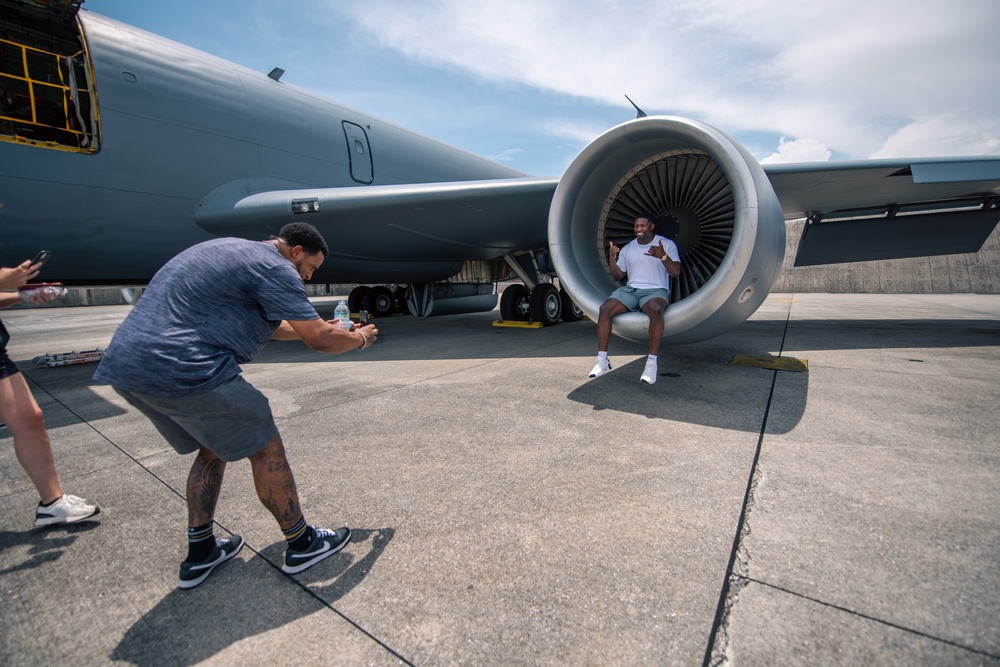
(48, 290)
(343, 316)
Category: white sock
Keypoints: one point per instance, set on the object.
(652, 358)
(603, 355)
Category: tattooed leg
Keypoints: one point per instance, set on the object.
(203, 486)
(275, 483)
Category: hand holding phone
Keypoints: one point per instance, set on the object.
(42, 257)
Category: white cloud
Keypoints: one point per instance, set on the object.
(508, 155)
(574, 131)
(938, 137)
(857, 76)
(798, 150)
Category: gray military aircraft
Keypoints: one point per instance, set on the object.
(120, 148)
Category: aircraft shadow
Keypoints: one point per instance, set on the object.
(473, 336)
(697, 385)
(696, 392)
(703, 388)
(187, 627)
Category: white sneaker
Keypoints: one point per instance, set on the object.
(601, 367)
(68, 509)
(649, 372)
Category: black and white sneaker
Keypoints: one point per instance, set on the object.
(193, 574)
(324, 544)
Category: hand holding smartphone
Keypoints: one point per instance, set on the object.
(42, 257)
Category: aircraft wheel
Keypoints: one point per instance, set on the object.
(570, 311)
(401, 294)
(378, 301)
(545, 305)
(514, 304)
(356, 299)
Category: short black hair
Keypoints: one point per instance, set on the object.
(305, 235)
(647, 215)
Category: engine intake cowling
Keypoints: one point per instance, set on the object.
(708, 194)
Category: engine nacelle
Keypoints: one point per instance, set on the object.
(708, 194)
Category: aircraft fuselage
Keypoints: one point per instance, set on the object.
(177, 129)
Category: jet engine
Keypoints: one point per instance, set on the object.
(707, 193)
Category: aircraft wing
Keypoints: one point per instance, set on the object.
(423, 221)
(856, 211)
(889, 209)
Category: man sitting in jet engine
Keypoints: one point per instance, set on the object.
(649, 261)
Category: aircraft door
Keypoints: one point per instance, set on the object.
(359, 153)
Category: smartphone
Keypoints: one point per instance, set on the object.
(363, 317)
(42, 256)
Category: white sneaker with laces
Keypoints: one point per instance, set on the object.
(601, 367)
(68, 509)
(649, 372)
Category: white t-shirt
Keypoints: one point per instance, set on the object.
(645, 271)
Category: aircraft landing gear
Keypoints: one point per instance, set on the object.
(514, 303)
(570, 311)
(356, 299)
(546, 304)
(379, 301)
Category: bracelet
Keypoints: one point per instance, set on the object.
(364, 341)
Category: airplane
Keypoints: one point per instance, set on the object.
(120, 148)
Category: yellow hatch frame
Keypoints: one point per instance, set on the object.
(85, 142)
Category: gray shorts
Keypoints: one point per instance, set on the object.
(233, 421)
(634, 298)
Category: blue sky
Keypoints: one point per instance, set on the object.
(531, 82)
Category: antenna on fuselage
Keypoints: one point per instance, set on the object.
(277, 72)
(639, 113)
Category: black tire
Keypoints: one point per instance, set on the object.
(545, 305)
(356, 299)
(400, 295)
(570, 311)
(379, 301)
(514, 305)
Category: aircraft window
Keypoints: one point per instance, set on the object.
(44, 98)
(359, 147)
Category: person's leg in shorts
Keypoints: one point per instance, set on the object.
(653, 303)
(621, 300)
(24, 419)
(232, 422)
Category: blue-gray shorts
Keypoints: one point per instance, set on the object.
(233, 421)
(634, 298)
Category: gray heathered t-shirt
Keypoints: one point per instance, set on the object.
(209, 309)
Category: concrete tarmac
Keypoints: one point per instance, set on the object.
(508, 510)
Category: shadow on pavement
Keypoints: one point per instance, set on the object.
(694, 392)
(168, 635)
(44, 545)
